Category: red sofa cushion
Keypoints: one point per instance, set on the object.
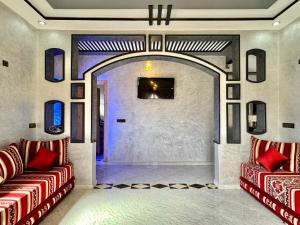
(24, 193)
(281, 185)
(290, 150)
(258, 147)
(272, 159)
(43, 160)
(30, 148)
(11, 163)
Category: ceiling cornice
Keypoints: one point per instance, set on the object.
(165, 19)
(135, 20)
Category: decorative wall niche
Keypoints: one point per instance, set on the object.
(54, 117)
(256, 117)
(55, 65)
(77, 122)
(256, 65)
(77, 91)
(233, 91)
(155, 42)
(233, 123)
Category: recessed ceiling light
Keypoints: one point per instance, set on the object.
(42, 23)
(276, 23)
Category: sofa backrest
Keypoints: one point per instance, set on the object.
(290, 150)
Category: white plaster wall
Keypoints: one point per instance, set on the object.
(159, 130)
(230, 156)
(18, 46)
(289, 81)
(81, 155)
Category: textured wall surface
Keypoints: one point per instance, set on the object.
(289, 81)
(159, 130)
(230, 156)
(18, 46)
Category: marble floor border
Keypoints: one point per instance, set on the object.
(134, 186)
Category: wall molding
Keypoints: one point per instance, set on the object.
(167, 20)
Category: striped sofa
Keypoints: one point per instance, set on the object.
(29, 195)
(279, 190)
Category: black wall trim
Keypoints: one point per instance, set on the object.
(165, 19)
(181, 58)
(169, 9)
(75, 38)
(235, 41)
(150, 8)
(159, 14)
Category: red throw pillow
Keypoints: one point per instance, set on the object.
(272, 159)
(43, 160)
(28, 150)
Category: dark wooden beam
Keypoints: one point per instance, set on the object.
(159, 12)
(169, 9)
(150, 7)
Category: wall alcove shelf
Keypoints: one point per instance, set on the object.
(54, 65)
(77, 122)
(256, 117)
(256, 65)
(233, 123)
(233, 92)
(54, 117)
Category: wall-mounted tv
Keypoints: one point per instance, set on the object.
(155, 88)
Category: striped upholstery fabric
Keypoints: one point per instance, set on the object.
(30, 148)
(290, 150)
(281, 185)
(258, 147)
(24, 193)
(11, 163)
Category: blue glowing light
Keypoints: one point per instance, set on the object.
(57, 108)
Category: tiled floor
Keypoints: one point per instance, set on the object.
(135, 186)
(159, 206)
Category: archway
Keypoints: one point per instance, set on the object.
(198, 63)
(219, 77)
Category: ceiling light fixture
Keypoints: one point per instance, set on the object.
(41, 22)
(148, 65)
(276, 23)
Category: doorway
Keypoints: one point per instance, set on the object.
(101, 143)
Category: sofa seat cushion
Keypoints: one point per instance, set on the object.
(21, 195)
(281, 185)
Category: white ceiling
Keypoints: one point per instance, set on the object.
(178, 4)
(84, 19)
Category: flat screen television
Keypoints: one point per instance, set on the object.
(155, 88)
